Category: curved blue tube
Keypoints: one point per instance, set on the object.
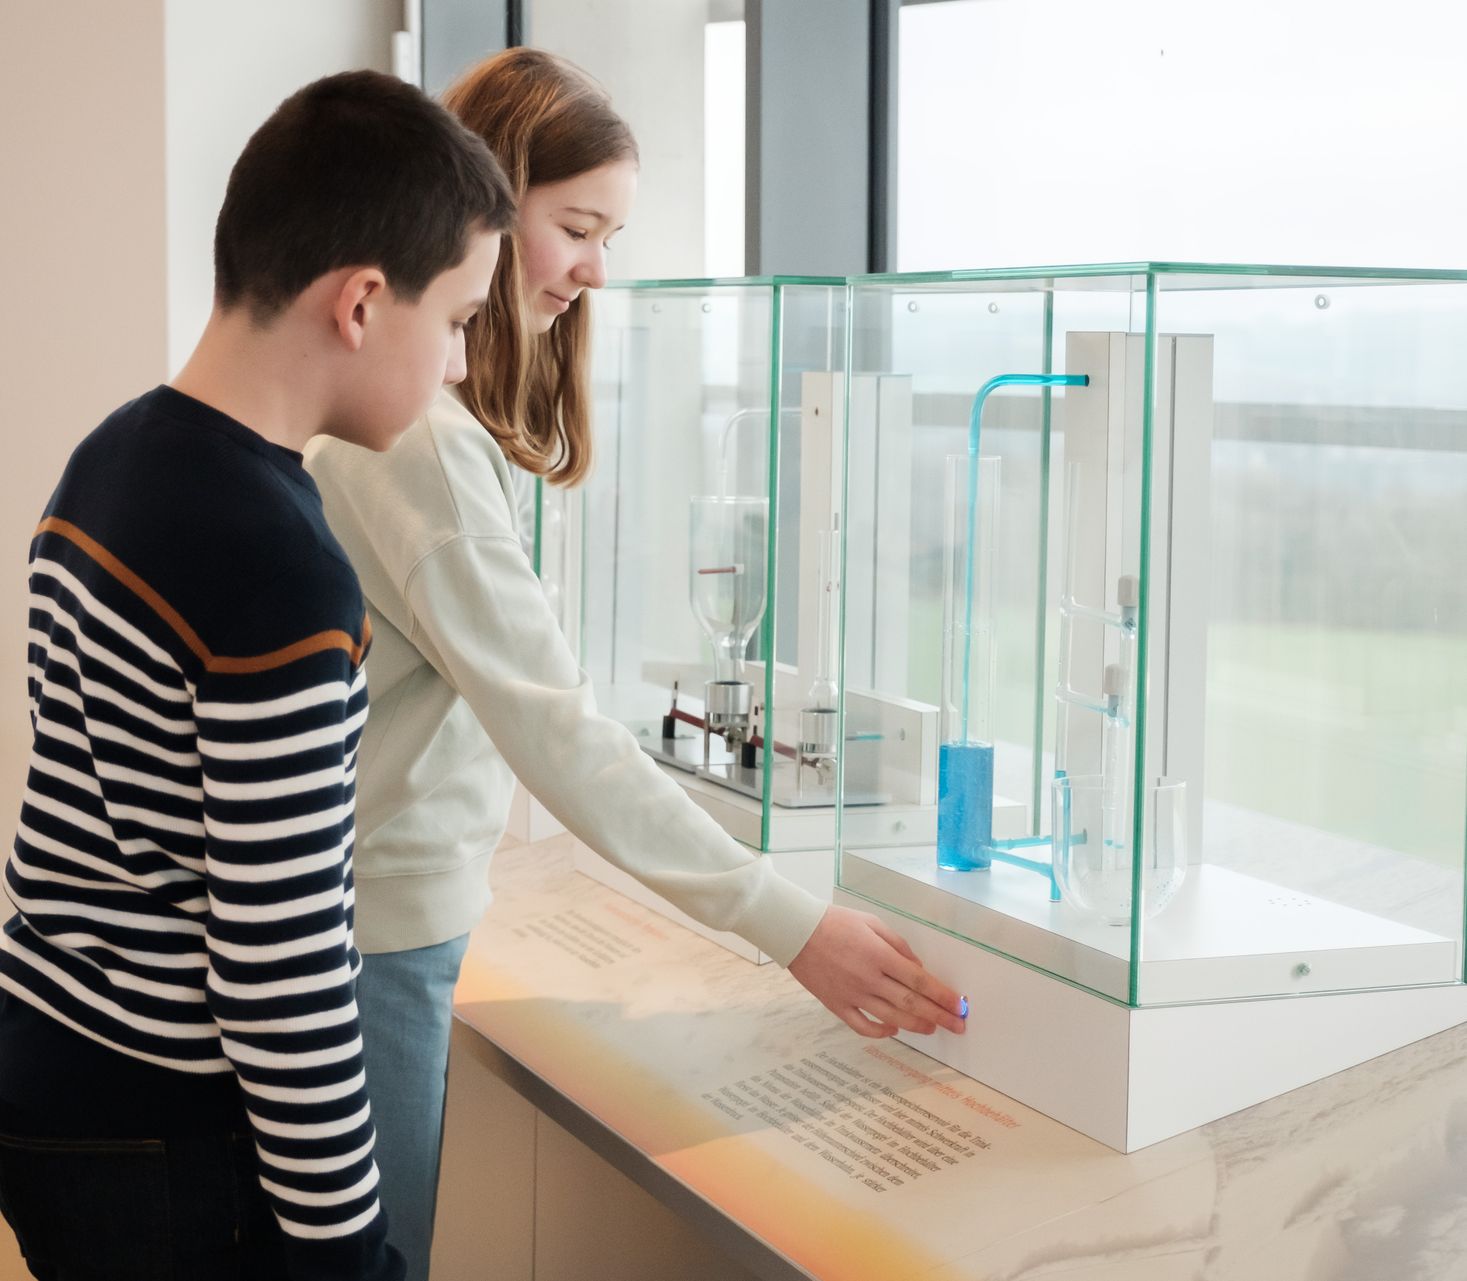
(988, 388)
(967, 794)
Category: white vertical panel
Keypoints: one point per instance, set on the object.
(822, 461)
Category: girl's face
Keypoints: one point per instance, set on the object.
(563, 234)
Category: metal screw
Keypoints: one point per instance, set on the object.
(912, 305)
(1302, 970)
(993, 307)
(1321, 302)
(656, 308)
(707, 306)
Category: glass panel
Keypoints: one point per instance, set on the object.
(551, 527)
(1309, 561)
(717, 471)
(1158, 685)
(957, 436)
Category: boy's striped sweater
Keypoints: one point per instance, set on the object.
(181, 871)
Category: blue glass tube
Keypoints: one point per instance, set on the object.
(964, 806)
(974, 419)
(965, 767)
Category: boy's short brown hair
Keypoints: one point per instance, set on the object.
(356, 169)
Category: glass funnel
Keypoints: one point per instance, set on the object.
(727, 584)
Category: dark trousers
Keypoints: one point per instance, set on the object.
(178, 1209)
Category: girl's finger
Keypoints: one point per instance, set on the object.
(886, 1012)
(863, 1025)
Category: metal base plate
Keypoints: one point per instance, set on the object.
(685, 752)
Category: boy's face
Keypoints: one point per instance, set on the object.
(410, 350)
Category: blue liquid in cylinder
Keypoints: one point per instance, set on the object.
(964, 806)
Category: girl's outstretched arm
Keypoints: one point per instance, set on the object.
(866, 975)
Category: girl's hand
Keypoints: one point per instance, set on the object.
(867, 976)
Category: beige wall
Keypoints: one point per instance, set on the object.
(82, 258)
(119, 120)
(83, 323)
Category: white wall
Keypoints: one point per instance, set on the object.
(649, 55)
(228, 66)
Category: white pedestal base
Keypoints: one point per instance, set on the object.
(1131, 1077)
(1226, 936)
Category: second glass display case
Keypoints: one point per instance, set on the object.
(1172, 555)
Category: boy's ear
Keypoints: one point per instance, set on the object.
(361, 293)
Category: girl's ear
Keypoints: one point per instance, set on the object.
(357, 301)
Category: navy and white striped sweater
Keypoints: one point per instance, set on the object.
(182, 865)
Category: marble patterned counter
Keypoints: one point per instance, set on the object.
(800, 1149)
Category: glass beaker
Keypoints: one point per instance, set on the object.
(1093, 839)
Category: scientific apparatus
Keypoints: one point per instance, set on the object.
(1204, 672)
(726, 588)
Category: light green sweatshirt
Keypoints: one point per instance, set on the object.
(473, 684)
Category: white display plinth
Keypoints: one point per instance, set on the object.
(1128, 1076)
(1225, 936)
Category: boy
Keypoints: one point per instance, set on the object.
(181, 1083)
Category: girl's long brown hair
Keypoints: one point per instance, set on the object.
(546, 120)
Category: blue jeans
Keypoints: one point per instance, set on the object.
(406, 1004)
(140, 1209)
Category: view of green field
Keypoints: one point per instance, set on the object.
(1356, 732)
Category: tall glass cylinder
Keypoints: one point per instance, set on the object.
(1066, 616)
(969, 663)
(823, 691)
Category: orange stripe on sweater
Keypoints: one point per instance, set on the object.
(212, 662)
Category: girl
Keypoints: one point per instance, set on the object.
(473, 683)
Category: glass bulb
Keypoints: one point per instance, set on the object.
(727, 583)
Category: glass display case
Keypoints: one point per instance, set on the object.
(707, 538)
(549, 529)
(1168, 560)
(550, 517)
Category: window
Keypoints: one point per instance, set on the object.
(1057, 131)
